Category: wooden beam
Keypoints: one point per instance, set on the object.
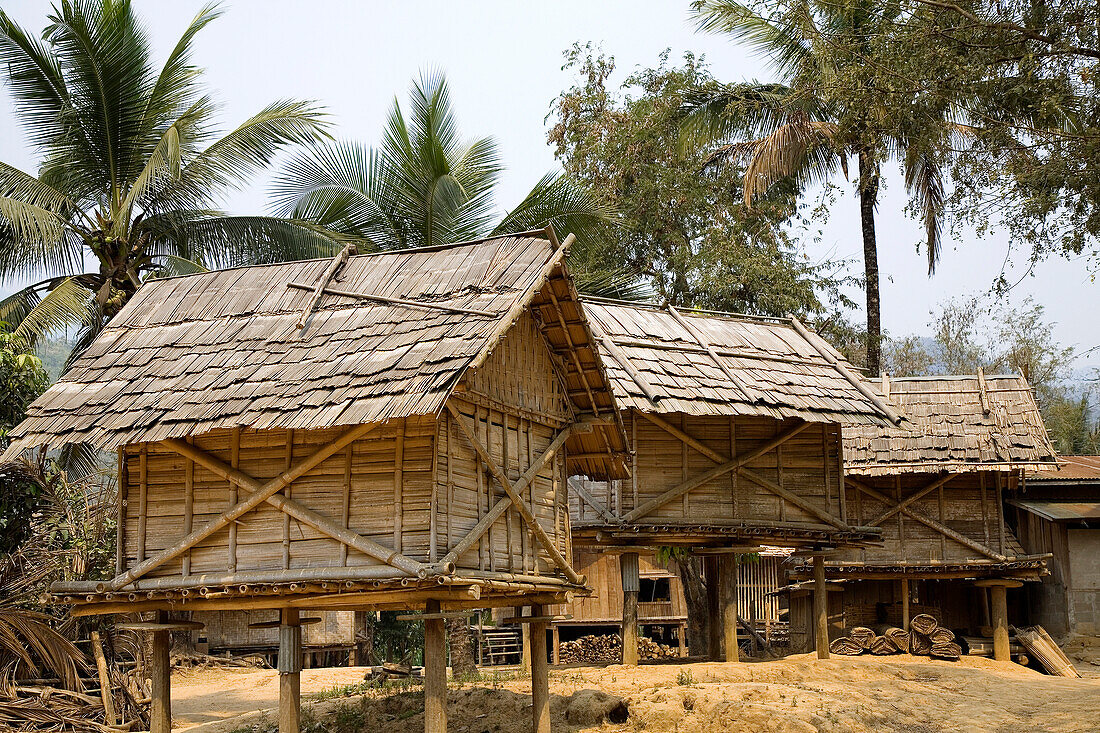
(326, 277)
(545, 540)
(260, 493)
(999, 604)
(385, 300)
(573, 352)
(855, 381)
(983, 394)
(587, 498)
(899, 506)
(734, 381)
(723, 468)
(624, 361)
(928, 521)
(628, 572)
(494, 513)
(794, 499)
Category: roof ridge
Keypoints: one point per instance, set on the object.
(689, 310)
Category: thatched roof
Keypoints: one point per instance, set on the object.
(954, 423)
(222, 349)
(663, 360)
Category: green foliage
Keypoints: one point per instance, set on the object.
(22, 379)
(426, 185)
(691, 235)
(131, 171)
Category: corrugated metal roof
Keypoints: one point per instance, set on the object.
(222, 349)
(954, 423)
(1070, 468)
(723, 364)
(1060, 511)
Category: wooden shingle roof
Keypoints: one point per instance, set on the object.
(663, 360)
(956, 424)
(222, 349)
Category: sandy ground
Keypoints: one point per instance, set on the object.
(798, 694)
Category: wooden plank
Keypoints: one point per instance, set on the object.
(143, 499)
(398, 487)
(235, 463)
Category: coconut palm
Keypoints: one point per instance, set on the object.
(131, 170)
(825, 110)
(426, 185)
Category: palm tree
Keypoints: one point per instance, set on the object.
(826, 109)
(131, 173)
(425, 185)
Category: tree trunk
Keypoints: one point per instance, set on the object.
(690, 570)
(463, 662)
(868, 199)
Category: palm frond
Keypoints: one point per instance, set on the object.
(172, 265)
(924, 181)
(617, 284)
(29, 647)
(67, 304)
(777, 39)
(803, 149)
(567, 204)
(16, 184)
(35, 80)
(174, 88)
(217, 240)
(79, 461)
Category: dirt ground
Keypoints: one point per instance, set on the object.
(798, 694)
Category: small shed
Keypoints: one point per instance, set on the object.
(936, 486)
(733, 425)
(1057, 512)
(382, 431)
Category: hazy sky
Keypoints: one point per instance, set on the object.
(503, 62)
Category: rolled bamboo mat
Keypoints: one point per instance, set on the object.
(942, 635)
(945, 650)
(923, 623)
(919, 643)
(845, 646)
(862, 636)
(1042, 648)
(898, 637)
(881, 646)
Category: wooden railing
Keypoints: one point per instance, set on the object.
(654, 609)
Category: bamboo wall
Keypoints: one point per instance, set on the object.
(230, 629)
(411, 484)
(969, 504)
(808, 464)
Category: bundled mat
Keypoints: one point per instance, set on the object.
(919, 644)
(898, 637)
(942, 635)
(882, 645)
(1042, 648)
(846, 646)
(923, 623)
(862, 636)
(945, 650)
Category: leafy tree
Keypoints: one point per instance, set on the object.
(425, 185)
(691, 236)
(22, 379)
(131, 171)
(830, 104)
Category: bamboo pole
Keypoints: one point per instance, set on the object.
(517, 501)
(259, 494)
(426, 305)
(624, 361)
(105, 690)
(326, 277)
(920, 493)
(734, 380)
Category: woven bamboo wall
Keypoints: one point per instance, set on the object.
(807, 465)
(970, 504)
(229, 629)
(411, 484)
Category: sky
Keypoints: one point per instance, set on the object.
(503, 63)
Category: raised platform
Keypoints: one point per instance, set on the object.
(1029, 567)
(658, 534)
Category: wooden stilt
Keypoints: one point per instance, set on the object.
(160, 715)
(525, 638)
(714, 638)
(435, 672)
(999, 603)
(821, 609)
(555, 639)
(682, 640)
(628, 570)
(727, 595)
(905, 603)
(290, 671)
(540, 675)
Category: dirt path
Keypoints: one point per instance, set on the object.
(799, 694)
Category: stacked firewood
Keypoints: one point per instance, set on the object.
(925, 637)
(597, 649)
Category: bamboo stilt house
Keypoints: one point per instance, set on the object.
(379, 431)
(734, 431)
(936, 487)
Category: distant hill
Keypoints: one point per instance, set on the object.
(53, 353)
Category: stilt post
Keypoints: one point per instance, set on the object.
(905, 604)
(714, 625)
(290, 671)
(540, 675)
(435, 672)
(727, 578)
(555, 639)
(160, 717)
(525, 646)
(821, 609)
(999, 601)
(628, 569)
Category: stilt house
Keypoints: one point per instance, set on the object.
(936, 487)
(385, 431)
(734, 433)
(1058, 512)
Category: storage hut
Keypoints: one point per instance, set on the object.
(1057, 512)
(382, 431)
(734, 432)
(936, 486)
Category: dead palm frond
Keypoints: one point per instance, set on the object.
(30, 647)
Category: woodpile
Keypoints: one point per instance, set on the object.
(392, 671)
(607, 648)
(925, 637)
